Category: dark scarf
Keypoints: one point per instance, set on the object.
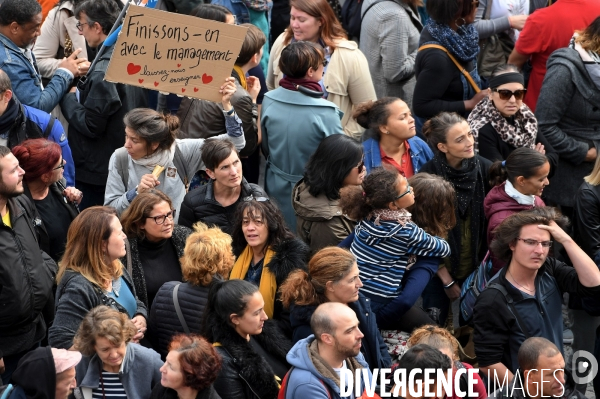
(7, 120)
(464, 43)
(521, 133)
(292, 83)
(470, 193)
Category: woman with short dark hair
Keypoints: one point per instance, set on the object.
(288, 146)
(215, 202)
(338, 162)
(252, 348)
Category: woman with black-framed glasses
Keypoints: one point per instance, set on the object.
(267, 252)
(156, 243)
(338, 162)
(43, 184)
(502, 122)
(386, 244)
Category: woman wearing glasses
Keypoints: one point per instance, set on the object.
(390, 136)
(386, 244)
(337, 163)
(267, 252)
(43, 183)
(502, 122)
(90, 274)
(156, 243)
(455, 160)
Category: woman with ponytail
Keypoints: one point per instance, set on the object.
(518, 184)
(153, 158)
(333, 277)
(390, 136)
(252, 348)
(387, 243)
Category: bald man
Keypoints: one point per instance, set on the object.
(319, 359)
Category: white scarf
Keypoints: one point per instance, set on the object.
(521, 198)
(159, 157)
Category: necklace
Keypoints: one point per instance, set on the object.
(515, 280)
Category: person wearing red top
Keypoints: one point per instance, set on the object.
(546, 30)
(405, 166)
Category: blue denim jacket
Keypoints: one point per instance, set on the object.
(26, 82)
(420, 153)
(237, 8)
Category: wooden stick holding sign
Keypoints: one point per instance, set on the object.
(175, 53)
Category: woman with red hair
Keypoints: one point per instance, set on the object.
(346, 80)
(191, 367)
(43, 182)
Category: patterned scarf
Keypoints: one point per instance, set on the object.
(520, 134)
(258, 5)
(464, 43)
(401, 216)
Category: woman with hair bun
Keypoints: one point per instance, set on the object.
(518, 184)
(390, 136)
(43, 184)
(153, 158)
(455, 160)
(333, 277)
(387, 243)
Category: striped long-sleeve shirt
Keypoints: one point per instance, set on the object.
(382, 252)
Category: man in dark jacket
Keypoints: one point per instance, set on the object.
(95, 112)
(215, 203)
(541, 374)
(26, 272)
(525, 299)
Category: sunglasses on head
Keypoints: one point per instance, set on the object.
(259, 199)
(507, 94)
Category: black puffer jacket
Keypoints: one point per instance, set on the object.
(26, 279)
(163, 322)
(244, 373)
(200, 205)
(180, 235)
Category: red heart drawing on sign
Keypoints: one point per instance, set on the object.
(206, 78)
(178, 65)
(182, 90)
(132, 69)
(155, 84)
(195, 89)
(141, 81)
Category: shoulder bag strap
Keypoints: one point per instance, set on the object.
(488, 9)
(122, 164)
(178, 310)
(511, 305)
(180, 165)
(460, 67)
(128, 257)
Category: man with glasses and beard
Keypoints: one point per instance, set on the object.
(26, 272)
(318, 360)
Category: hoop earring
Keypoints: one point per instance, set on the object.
(463, 22)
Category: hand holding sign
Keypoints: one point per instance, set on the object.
(175, 53)
(227, 90)
(253, 87)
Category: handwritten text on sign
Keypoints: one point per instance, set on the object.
(175, 53)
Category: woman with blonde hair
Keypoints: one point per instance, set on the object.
(90, 274)
(113, 366)
(333, 277)
(207, 256)
(346, 81)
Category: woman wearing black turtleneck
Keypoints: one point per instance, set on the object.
(501, 124)
(155, 243)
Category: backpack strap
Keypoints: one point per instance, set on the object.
(49, 127)
(371, 6)
(180, 165)
(178, 310)
(122, 164)
(460, 67)
(511, 305)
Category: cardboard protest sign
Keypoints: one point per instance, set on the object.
(174, 53)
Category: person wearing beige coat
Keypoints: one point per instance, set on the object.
(347, 79)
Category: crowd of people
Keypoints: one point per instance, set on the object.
(411, 176)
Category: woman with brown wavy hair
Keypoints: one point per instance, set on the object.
(90, 274)
(333, 277)
(346, 81)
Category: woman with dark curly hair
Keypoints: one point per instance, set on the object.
(387, 242)
(191, 368)
(113, 366)
(338, 162)
(253, 349)
(267, 252)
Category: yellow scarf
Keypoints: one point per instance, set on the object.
(268, 284)
(242, 76)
